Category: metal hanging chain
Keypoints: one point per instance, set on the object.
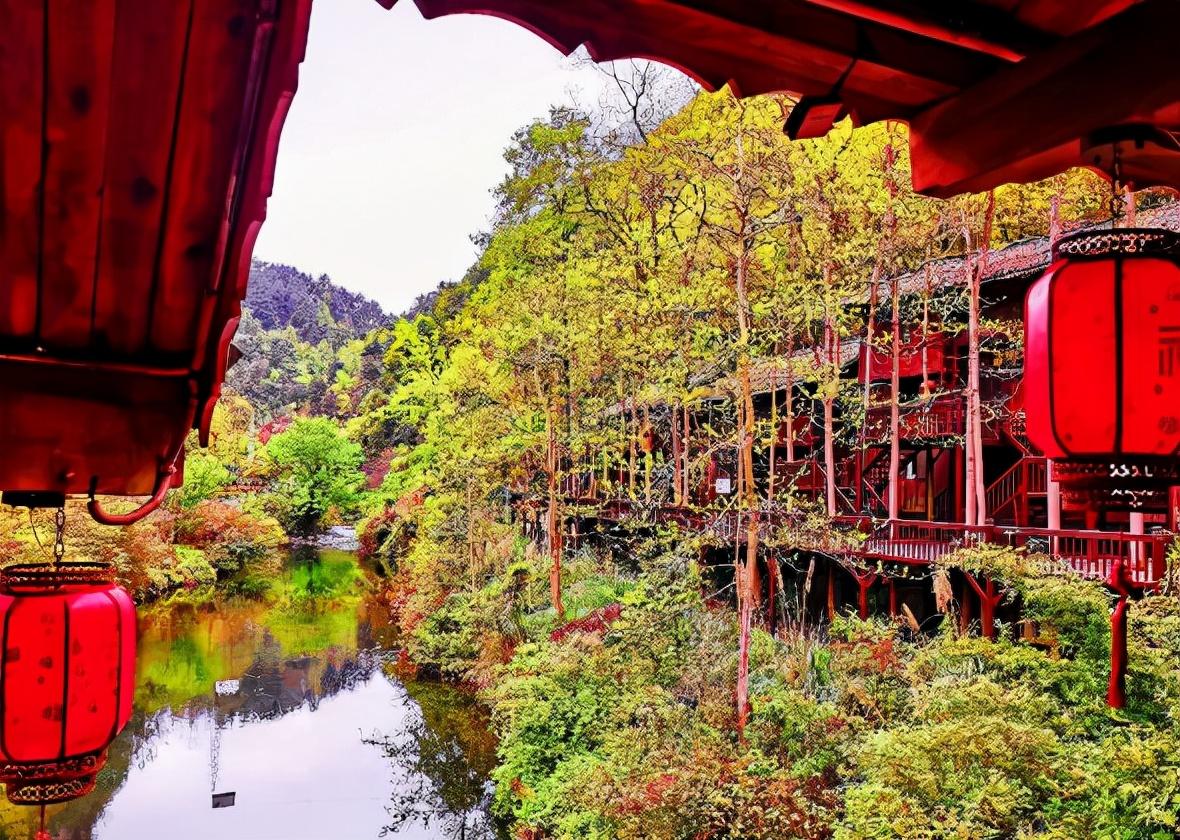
(59, 542)
(1116, 196)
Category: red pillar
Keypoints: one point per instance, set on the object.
(989, 599)
(1122, 584)
(1116, 691)
(864, 581)
(892, 597)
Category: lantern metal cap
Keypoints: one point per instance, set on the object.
(48, 782)
(1118, 242)
(51, 792)
(32, 578)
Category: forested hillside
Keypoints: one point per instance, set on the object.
(307, 345)
(280, 296)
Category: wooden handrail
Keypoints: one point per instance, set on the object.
(1091, 554)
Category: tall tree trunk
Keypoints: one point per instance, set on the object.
(829, 401)
(894, 408)
(770, 449)
(632, 457)
(748, 588)
(790, 392)
(677, 483)
(686, 453)
(895, 356)
(926, 322)
(976, 489)
(553, 519)
(870, 329)
(647, 453)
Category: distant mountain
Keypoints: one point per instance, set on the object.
(281, 295)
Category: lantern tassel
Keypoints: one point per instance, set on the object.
(42, 834)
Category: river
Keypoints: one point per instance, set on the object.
(292, 703)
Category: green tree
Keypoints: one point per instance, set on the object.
(204, 475)
(318, 470)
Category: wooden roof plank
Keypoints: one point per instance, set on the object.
(150, 42)
(757, 48)
(22, 55)
(206, 150)
(1029, 121)
(80, 50)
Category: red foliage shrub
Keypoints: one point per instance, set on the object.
(595, 622)
(375, 469)
(272, 428)
(375, 532)
(404, 667)
(212, 523)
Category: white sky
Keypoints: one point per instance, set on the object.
(396, 138)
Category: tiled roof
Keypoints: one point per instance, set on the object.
(1028, 256)
(770, 374)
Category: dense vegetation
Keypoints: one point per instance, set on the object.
(623, 282)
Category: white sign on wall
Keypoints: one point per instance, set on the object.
(721, 485)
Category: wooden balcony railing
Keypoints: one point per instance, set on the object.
(940, 417)
(1091, 554)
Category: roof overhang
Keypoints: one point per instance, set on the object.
(994, 91)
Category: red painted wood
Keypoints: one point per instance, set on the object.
(149, 51)
(1037, 95)
(1029, 120)
(1116, 690)
(136, 264)
(879, 361)
(864, 582)
(21, 95)
(81, 47)
(203, 158)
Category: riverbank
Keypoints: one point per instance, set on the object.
(625, 725)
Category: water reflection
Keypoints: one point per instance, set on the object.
(290, 703)
(442, 763)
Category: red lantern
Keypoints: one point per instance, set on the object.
(1102, 361)
(67, 676)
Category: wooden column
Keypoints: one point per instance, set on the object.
(864, 582)
(1137, 525)
(1116, 690)
(831, 591)
(989, 599)
(1120, 581)
(959, 493)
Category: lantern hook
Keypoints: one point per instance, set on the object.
(102, 517)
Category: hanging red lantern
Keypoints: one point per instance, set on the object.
(1102, 365)
(67, 676)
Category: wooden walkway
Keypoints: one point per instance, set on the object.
(1091, 554)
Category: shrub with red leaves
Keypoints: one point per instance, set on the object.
(272, 428)
(595, 622)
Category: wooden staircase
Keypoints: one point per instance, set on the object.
(1021, 492)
